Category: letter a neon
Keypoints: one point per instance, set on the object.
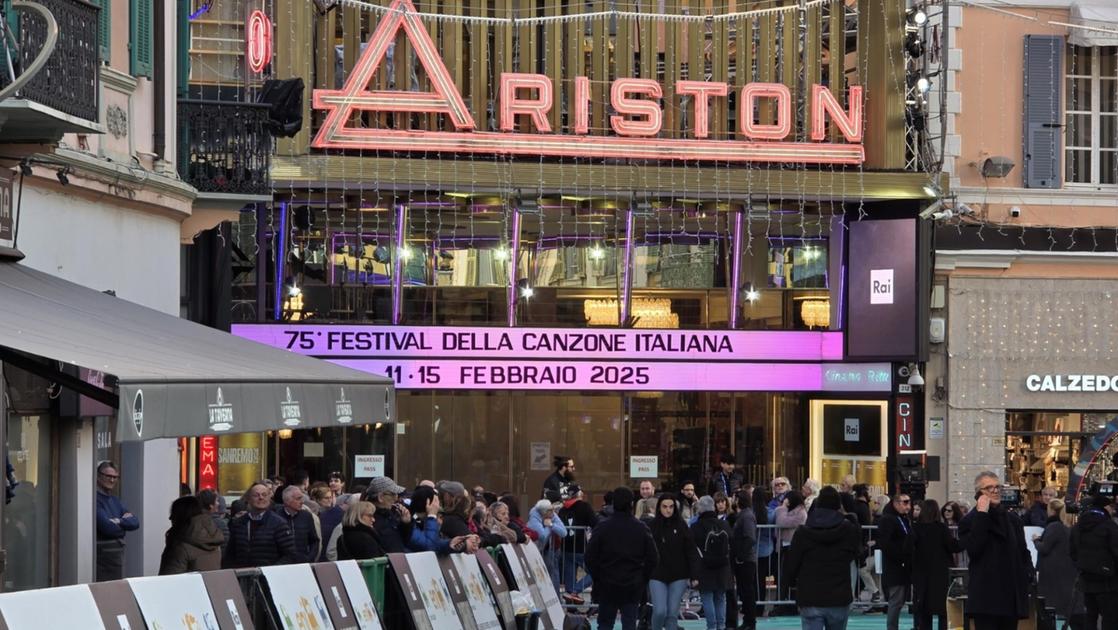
(355, 97)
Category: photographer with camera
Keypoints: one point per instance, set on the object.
(1000, 568)
(1094, 549)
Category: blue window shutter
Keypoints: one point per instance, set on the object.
(139, 42)
(1043, 119)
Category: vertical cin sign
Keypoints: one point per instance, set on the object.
(207, 462)
(905, 418)
(258, 41)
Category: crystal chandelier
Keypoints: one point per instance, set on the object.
(649, 312)
(816, 313)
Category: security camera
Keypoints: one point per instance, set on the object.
(963, 210)
(1015, 212)
(932, 209)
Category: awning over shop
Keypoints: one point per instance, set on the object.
(1097, 22)
(176, 378)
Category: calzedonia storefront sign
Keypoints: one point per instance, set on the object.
(635, 123)
(431, 357)
(1086, 383)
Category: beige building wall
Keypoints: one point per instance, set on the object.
(1001, 329)
(989, 78)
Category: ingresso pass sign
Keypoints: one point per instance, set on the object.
(434, 357)
(635, 123)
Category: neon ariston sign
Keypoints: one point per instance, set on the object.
(635, 125)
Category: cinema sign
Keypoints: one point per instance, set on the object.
(636, 123)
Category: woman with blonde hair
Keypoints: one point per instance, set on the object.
(1057, 570)
(359, 540)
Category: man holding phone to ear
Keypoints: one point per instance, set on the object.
(1000, 566)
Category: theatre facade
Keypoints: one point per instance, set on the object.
(641, 240)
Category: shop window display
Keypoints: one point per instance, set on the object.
(1042, 448)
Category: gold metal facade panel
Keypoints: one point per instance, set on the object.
(796, 48)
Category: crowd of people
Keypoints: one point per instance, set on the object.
(748, 550)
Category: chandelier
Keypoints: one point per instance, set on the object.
(649, 312)
(816, 313)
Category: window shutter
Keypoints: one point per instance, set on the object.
(1043, 120)
(183, 61)
(105, 29)
(140, 38)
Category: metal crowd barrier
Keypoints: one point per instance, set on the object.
(569, 573)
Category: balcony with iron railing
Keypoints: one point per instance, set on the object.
(225, 149)
(59, 93)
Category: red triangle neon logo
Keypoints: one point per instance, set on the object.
(356, 97)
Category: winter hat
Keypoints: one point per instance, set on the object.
(706, 504)
(543, 506)
(622, 499)
(828, 499)
(382, 484)
(451, 487)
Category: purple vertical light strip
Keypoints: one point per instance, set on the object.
(735, 271)
(627, 269)
(397, 264)
(281, 257)
(514, 263)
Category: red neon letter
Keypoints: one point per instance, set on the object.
(749, 127)
(581, 105)
(511, 105)
(702, 91)
(824, 103)
(626, 106)
(258, 41)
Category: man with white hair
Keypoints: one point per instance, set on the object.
(1038, 514)
(1000, 566)
(301, 523)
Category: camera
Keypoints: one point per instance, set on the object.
(1104, 489)
(1015, 212)
(1011, 497)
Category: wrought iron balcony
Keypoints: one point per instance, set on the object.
(61, 96)
(225, 148)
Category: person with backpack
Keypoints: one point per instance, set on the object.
(1094, 549)
(712, 537)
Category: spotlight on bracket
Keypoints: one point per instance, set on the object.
(997, 166)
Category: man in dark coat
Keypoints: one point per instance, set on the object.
(1000, 565)
(727, 479)
(301, 523)
(620, 556)
(259, 537)
(393, 519)
(1094, 548)
(1038, 513)
(892, 537)
(818, 563)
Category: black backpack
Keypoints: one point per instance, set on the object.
(716, 548)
